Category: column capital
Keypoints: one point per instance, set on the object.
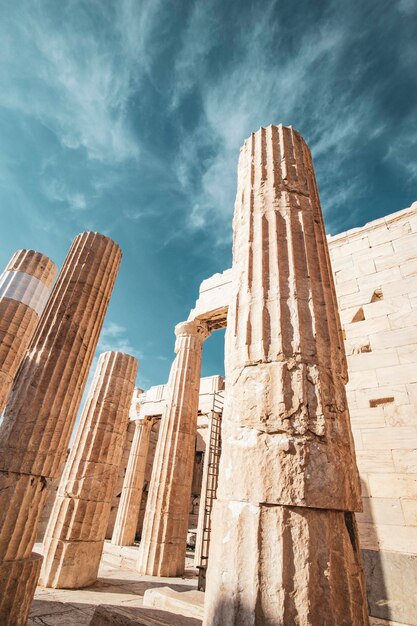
(193, 328)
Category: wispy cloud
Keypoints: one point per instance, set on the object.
(114, 337)
(307, 87)
(70, 80)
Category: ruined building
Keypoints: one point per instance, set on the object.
(292, 483)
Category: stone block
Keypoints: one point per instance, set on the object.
(397, 538)
(393, 485)
(405, 286)
(389, 306)
(367, 418)
(188, 603)
(390, 580)
(371, 360)
(410, 511)
(407, 354)
(359, 298)
(405, 460)
(375, 461)
(389, 438)
(409, 269)
(342, 263)
(357, 243)
(379, 278)
(402, 319)
(347, 287)
(364, 265)
(395, 375)
(377, 511)
(392, 338)
(364, 379)
(271, 534)
(364, 397)
(404, 415)
(367, 328)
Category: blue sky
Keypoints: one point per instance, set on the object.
(126, 117)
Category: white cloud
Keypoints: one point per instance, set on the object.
(57, 191)
(402, 149)
(114, 338)
(74, 78)
(306, 88)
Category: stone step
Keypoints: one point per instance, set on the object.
(117, 616)
(187, 603)
(120, 556)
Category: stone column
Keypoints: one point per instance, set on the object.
(128, 512)
(76, 530)
(42, 406)
(25, 286)
(164, 537)
(284, 546)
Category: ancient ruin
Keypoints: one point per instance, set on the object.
(285, 412)
(164, 535)
(25, 285)
(284, 494)
(42, 406)
(75, 535)
(124, 532)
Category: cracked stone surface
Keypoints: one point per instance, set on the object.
(43, 404)
(284, 546)
(76, 530)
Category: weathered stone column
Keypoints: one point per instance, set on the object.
(128, 512)
(25, 286)
(163, 545)
(42, 406)
(284, 547)
(76, 530)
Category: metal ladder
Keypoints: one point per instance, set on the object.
(214, 451)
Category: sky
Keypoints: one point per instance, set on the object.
(126, 117)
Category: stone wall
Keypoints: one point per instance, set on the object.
(375, 270)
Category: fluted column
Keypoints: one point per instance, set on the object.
(42, 407)
(75, 534)
(25, 286)
(164, 536)
(128, 512)
(284, 547)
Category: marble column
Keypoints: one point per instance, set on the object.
(75, 534)
(164, 536)
(284, 546)
(25, 286)
(128, 512)
(42, 407)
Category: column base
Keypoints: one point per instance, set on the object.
(277, 565)
(18, 580)
(161, 559)
(71, 565)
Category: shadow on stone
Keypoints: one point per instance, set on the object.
(105, 615)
